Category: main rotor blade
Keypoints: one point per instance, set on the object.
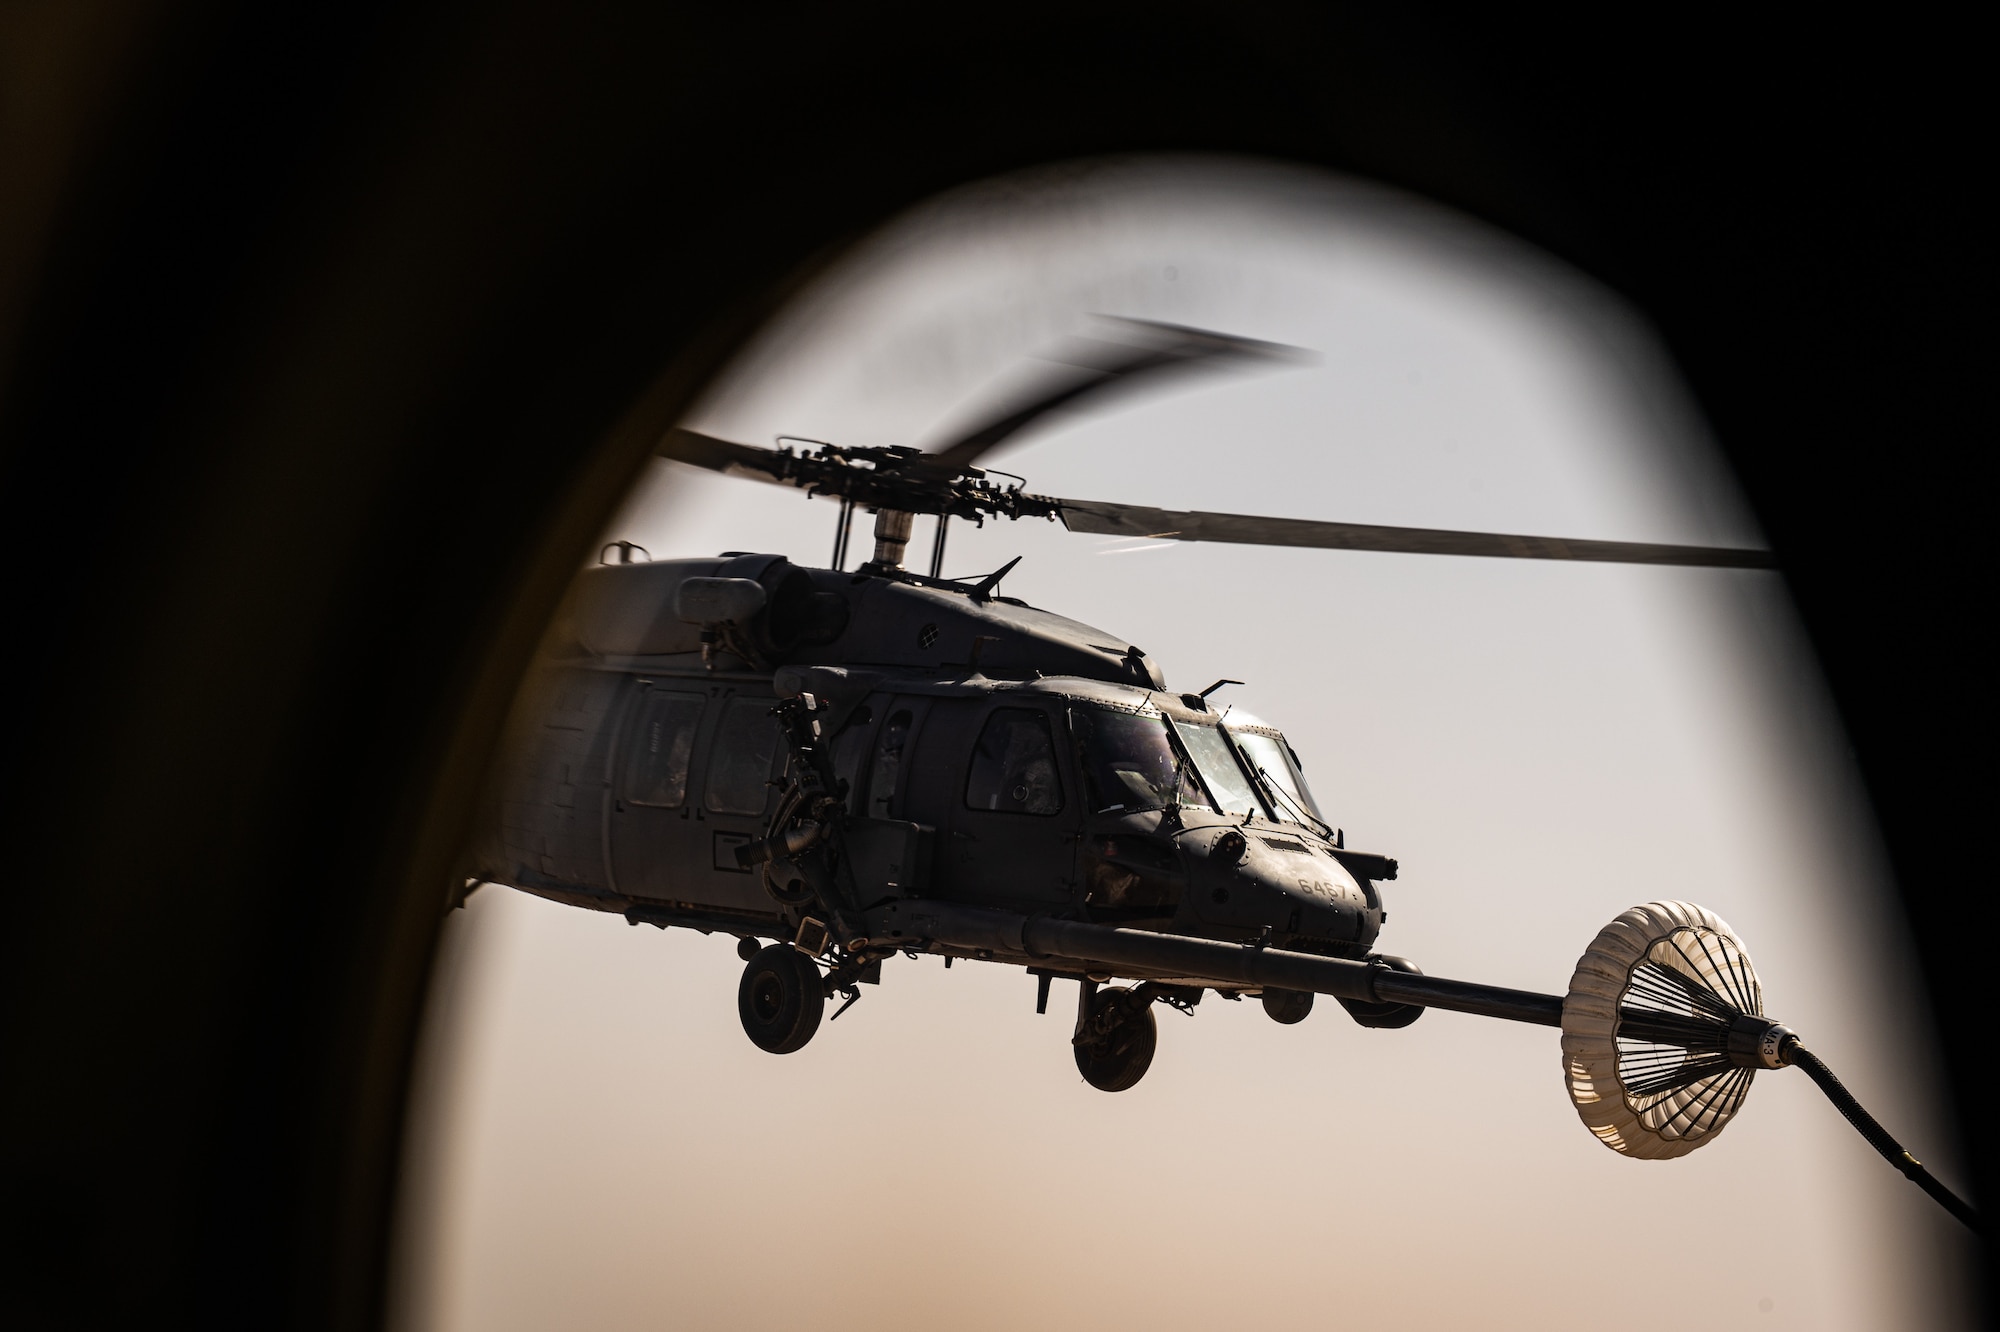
(1096, 364)
(719, 455)
(1132, 520)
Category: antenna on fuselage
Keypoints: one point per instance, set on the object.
(984, 591)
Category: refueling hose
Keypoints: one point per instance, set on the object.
(1750, 1042)
(1878, 1137)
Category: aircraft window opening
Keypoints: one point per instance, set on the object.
(1220, 771)
(656, 768)
(1014, 765)
(888, 763)
(850, 750)
(1132, 763)
(1272, 758)
(739, 773)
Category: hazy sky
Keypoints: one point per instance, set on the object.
(1541, 746)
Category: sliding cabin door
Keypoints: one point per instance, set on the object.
(694, 778)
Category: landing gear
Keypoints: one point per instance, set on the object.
(1287, 1006)
(1115, 1038)
(780, 999)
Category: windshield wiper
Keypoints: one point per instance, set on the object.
(1272, 787)
(1181, 761)
(1185, 763)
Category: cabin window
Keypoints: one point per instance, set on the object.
(1131, 762)
(1220, 771)
(1275, 764)
(739, 773)
(1014, 765)
(888, 763)
(656, 763)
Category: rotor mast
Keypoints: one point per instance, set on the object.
(892, 537)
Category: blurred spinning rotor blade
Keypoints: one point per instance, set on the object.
(1144, 349)
(1132, 520)
(719, 455)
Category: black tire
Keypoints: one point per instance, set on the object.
(780, 999)
(1117, 1059)
(747, 947)
(1287, 1006)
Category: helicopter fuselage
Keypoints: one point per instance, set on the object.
(632, 777)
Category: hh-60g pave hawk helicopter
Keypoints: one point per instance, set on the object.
(856, 764)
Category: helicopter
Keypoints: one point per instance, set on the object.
(839, 766)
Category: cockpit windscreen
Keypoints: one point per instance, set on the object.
(1220, 771)
(1271, 758)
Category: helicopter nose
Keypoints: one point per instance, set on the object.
(1242, 881)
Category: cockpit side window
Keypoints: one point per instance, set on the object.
(1014, 765)
(1220, 771)
(1270, 758)
(1131, 763)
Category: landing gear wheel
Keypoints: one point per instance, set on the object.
(1115, 1047)
(1287, 1006)
(780, 999)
